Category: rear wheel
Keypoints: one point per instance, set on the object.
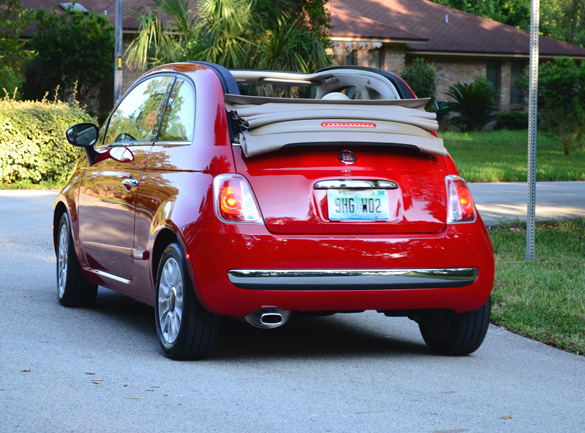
(453, 334)
(185, 329)
(72, 289)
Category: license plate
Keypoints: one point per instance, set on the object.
(358, 205)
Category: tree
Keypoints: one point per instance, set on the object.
(235, 34)
(71, 48)
(13, 21)
(560, 19)
(564, 20)
(561, 91)
(516, 13)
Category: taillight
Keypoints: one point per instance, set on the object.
(461, 208)
(234, 200)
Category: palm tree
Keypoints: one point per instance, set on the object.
(232, 33)
(474, 102)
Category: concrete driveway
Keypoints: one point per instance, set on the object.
(100, 369)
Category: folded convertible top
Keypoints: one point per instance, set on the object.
(268, 124)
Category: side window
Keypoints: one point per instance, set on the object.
(137, 117)
(178, 124)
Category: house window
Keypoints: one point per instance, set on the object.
(493, 74)
(351, 58)
(375, 58)
(516, 90)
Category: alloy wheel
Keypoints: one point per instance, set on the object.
(170, 301)
(62, 260)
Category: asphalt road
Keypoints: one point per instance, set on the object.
(507, 201)
(100, 369)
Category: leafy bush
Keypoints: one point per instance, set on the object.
(561, 91)
(32, 140)
(10, 81)
(421, 77)
(512, 121)
(474, 103)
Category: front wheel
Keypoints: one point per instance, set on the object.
(185, 329)
(455, 334)
(72, 289)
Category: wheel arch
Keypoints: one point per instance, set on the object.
(164, 238)
(60, 209)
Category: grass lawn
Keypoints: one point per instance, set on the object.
(502, 156)
(544, 299)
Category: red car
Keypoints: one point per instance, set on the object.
(211, 192)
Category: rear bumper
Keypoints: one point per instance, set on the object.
(238, 269)
(351, 279)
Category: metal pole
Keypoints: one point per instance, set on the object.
(118, 51)
(532, 130)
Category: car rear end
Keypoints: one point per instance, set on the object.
(338, 206)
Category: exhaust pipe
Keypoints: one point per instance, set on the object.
(268, 318)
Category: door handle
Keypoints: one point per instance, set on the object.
(131, 183)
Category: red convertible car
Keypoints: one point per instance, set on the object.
(213, 193)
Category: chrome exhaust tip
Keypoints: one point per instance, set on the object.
(268, 318)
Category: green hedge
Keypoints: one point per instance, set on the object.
(32, 140)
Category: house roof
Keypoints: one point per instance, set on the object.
(446, 30)
(425, 27)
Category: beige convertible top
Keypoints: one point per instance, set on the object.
(268, 124)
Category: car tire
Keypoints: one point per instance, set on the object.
(72, 289)
(453, 334)
(185, 329)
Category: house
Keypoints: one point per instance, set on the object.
(390, 34)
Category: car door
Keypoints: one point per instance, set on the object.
(107, 199)
(171, 168)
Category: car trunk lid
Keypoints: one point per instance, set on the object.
(341, 167)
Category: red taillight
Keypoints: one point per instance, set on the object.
(234, 200)
(461, 207)
(347, 125)
(230, 200)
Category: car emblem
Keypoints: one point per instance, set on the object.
(347, 157)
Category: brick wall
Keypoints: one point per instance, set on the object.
(455, 70)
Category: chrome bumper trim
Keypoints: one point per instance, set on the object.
(352, 279)
(355, 184)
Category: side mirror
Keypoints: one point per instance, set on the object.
(82, 134)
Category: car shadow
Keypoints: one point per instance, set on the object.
(124, 311)
(311, 337)
(302, 337)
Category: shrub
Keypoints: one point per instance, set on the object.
(512, 121)
(561, 91)
(10, 81)
(421, 77)
(474, 103)
(32, 140)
